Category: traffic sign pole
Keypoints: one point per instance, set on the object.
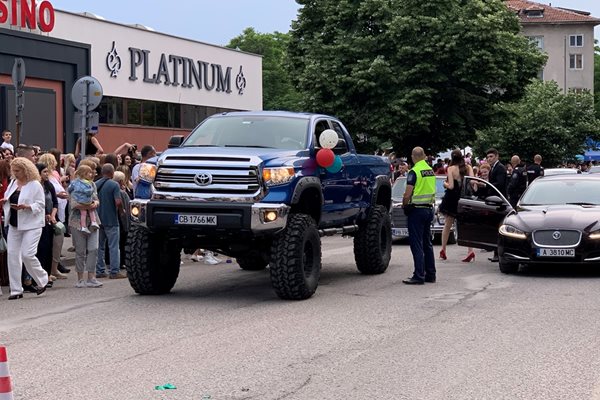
(86, 95)
(18, 78)
(84, 111)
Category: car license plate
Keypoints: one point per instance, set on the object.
(195, 219)
(556, 252)
(399, 231)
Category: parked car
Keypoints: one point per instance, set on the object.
(555, 221)
(561, 171)
(399, 223)
(594, 169)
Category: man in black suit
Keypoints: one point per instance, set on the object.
(497, 172)
(497, 178)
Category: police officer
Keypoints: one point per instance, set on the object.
(418, 201)
(518, 181)
(535, 170)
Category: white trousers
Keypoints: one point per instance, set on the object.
(21, 249)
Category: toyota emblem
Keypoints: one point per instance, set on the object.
(556, 235)
(203, 179)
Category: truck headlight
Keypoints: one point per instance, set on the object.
(511, 231)
(148, 172)
(278, 176)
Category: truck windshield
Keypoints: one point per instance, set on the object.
(251, 131)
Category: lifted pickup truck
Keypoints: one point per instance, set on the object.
(247, 185)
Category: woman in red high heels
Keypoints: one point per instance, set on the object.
(457, 170)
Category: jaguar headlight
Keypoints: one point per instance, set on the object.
(511, 231)
(278, 176)
(148, 172)
(595, 235)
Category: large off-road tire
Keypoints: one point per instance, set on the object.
(295, 264)
(373, 242)
(152, 261)
(253, 261)
(508, 268)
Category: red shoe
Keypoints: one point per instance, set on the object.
(470, 257)
(443, 254)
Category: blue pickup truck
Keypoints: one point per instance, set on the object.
(249, 185)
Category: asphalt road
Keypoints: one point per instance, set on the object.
(475, 334)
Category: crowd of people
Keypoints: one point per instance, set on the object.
(47, 196)
(511, 180)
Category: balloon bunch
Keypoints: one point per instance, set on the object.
(325, 156)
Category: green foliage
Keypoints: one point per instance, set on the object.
(545, 121)
(411, 71)
(278, 91)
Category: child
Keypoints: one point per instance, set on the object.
(81, 189)
(6, 136)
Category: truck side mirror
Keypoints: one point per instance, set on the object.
(175, 141)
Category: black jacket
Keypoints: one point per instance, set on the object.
(517, 183)
(498, 177)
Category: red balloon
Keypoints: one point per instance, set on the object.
(325, 158)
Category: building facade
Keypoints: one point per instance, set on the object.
(154, 84)
(566, 36)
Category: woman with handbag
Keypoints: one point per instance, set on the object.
(24, 206)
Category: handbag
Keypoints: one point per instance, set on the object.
(59, 228)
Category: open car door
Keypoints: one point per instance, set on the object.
(481, 210)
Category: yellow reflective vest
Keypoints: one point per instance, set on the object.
(424, 191)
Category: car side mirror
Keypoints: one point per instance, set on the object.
(494, 201)
(175, 141)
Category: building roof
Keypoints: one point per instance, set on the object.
(530, 12)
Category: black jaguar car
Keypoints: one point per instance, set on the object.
(557, 221)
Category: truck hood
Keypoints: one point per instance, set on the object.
(269, 157)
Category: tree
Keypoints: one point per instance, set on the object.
(414, 72)
(545, 121)
(278, 91)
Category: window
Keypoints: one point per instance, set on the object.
(134, 112)
(111, 110)
(576, 41)
(576, 61)
(535, 13)
(342, 146)
(114, 110)
(538, 41)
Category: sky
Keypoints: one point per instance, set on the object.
(208, 21)
(219, 21)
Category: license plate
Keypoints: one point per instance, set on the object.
(195, 219)
(399, 231)
(556, 252)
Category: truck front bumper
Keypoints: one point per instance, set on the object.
(254, 218)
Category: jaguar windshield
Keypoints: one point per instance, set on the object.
(251, 131)
(567, 191)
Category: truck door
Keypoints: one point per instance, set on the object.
(337, 187)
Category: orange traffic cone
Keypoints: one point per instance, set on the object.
(5, 382)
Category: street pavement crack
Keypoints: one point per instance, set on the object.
(296, 390)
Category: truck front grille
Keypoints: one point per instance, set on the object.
(207, 175)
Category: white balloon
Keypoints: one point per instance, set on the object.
(328, 139)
